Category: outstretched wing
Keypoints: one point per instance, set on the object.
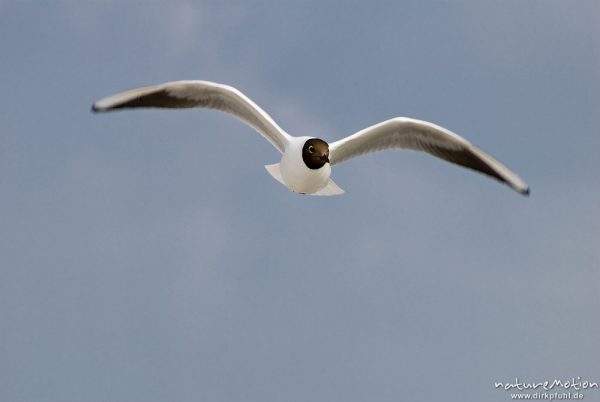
(202, 94)
(406, 133)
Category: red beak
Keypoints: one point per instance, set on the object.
(325, 157)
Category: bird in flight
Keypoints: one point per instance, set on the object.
(306, 162)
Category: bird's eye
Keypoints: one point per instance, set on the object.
(311, 149)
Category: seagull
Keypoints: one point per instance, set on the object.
(306, 162)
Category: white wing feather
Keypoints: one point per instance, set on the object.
(202, 94)
(418, 135)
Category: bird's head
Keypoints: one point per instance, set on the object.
(315, 153)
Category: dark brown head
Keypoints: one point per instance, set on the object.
(315, 153)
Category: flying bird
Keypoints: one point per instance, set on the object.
(306, 162)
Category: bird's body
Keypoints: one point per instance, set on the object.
(297, 176)
(305, 165)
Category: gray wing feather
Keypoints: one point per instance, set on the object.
(417, 135)
(201, 94)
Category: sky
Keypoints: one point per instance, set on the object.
(148, 255)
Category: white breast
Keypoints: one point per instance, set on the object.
(297, 176)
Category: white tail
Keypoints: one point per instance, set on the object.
(275, 172)
(330, 189)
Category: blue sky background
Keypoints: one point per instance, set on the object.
(148, 256)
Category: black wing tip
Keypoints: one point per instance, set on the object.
(524, 192)
(95, 109)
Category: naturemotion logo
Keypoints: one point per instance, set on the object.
(573, 386)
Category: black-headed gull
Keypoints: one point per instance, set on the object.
(305, 166)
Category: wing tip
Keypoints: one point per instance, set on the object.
(98, 108)
(525, 191)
